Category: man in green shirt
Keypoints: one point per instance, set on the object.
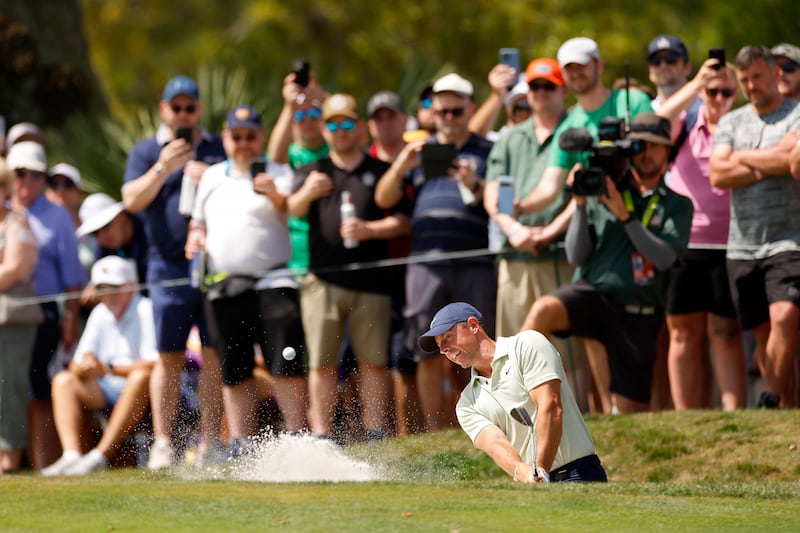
(530, 264)
(582, 67)
(623, 241)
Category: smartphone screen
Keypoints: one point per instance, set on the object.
(718, 54)
(437, 159)
(510, 57)
(257, 167)
(505, 197)
(301, 69)
(185, 134)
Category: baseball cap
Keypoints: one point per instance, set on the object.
(579, 50)
(453, 83)
(113, 270)
(651, 127)
(444, 319)
(96, 211)
(28, 155)
(384, 100)
(22, 129)
(544, 68)
(789, 51)
(180, 85)
(242, 116)
(339, 105)
(669, 43)
(519, 89)
(65, 169)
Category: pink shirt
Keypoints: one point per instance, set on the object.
(689, 177)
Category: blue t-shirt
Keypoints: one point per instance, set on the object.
(165, 227)
(58, 266)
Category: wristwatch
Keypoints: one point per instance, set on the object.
(159, 168)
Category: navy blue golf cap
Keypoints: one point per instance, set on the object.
(180, 85)
(243, 116)
(669, 43)
(447, 317)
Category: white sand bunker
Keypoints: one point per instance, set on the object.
(291, 459)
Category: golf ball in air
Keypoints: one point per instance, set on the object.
(289, 353)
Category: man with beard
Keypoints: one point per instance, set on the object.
(580, 62)
(622, 242)
(751, 157)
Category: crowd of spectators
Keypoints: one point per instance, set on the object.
(310, 255)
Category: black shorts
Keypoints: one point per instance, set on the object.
(269, 317)
(757, 283)
(629, 336)
(698, 282)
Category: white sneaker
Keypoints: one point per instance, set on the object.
(69, 458)
(94, 461)
(161, 455)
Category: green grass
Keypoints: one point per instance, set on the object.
(701, 471)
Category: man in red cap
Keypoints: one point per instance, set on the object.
(528, 268)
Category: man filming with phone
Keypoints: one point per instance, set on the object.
(622, 241)
(155, 173)
(448, 216)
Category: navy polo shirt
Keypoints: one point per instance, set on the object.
(165, 227)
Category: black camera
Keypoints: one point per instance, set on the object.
(608, 156)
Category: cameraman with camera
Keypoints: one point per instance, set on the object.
(622, 240)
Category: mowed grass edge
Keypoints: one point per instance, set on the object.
(671, 471)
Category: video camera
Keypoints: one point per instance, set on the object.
(608, 156)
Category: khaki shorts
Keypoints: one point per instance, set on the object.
(326, 308)
(519, 284)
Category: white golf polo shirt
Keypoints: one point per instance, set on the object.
(520, 364)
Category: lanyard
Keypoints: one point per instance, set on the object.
(648, 211)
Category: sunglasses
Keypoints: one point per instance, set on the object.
(521, 108)
(455, 111)
(66, 184)
(669, 59)
(313, 113)
(190, 109)
(544, 86)
(21, 173)
(727, 93)
(250, 137)
(426, 103)
(788, 67)
(345, 125)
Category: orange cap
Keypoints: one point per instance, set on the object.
(544, 68)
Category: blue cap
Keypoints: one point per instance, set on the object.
(180, 85)
(669, 43)
(242, 116)
(447, 317)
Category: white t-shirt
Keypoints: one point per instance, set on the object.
(520, 364)
(125, 341)
(244, 232)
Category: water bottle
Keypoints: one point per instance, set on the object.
(186, 200)
(348, 212)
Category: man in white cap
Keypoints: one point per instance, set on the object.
(111, 368)
(24, 131)
(448, 217)
(58, 270)
(64, 187)
(580, 62)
